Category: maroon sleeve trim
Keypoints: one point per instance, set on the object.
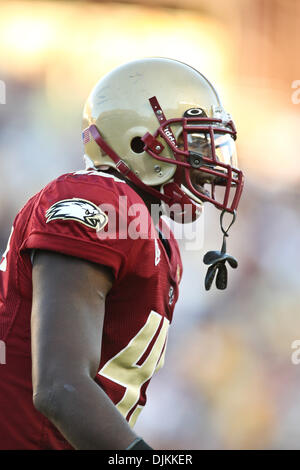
(90, 251)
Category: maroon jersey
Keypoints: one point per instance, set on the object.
(97, 217)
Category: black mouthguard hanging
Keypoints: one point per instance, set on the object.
(217, 260)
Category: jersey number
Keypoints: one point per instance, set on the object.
(126, 370)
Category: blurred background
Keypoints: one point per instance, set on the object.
(228, 380)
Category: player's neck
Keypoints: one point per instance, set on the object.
(152, 203)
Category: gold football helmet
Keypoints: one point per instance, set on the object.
(161, 124)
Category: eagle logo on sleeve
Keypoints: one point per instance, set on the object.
(81, 210)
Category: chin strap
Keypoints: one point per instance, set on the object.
(217, 260)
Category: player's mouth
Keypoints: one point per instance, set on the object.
(200, 180)
(201, 189)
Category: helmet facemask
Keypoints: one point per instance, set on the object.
(204, 153)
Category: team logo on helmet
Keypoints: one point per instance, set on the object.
(81, 210)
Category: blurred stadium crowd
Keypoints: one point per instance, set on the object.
(228, 380)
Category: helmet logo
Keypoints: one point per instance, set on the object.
(195, 112)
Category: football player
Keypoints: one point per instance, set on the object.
(89, 279)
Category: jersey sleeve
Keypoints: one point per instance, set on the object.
(80, 216)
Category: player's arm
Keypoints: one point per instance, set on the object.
(67, 321)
